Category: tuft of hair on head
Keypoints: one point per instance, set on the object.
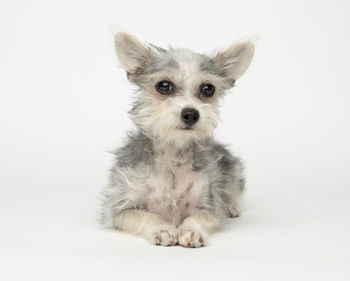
(132, 55)
(234, 61)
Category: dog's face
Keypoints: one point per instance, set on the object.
(180, 89)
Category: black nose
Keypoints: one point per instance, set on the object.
(189, 115)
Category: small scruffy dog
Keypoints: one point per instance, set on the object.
(172, 183)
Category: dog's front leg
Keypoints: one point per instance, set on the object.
(147, 225)
(194, 230)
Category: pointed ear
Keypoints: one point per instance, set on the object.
(132, 55)
(233, 62)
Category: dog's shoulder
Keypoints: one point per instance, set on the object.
(226, 160)
(220, 154)
(137, 149)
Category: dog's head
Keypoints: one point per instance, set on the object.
(179, 89)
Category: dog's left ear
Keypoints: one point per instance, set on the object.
(234, 61)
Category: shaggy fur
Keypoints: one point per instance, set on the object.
(172, 183)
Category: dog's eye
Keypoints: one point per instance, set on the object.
(207, 90)
(165, 87)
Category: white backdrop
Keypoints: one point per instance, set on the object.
(63, 104)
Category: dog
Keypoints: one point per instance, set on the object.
(172, 183)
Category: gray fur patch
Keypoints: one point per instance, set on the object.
(173, 180)
(161, 64)
(242, 183)
(138, 149)
(208, 65)
(189, 187)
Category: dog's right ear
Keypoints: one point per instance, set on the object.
(132, 55)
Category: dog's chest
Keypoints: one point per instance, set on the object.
(174, 188)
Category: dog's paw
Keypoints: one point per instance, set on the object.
(164, 235)
(192, 237)
(234, 212)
